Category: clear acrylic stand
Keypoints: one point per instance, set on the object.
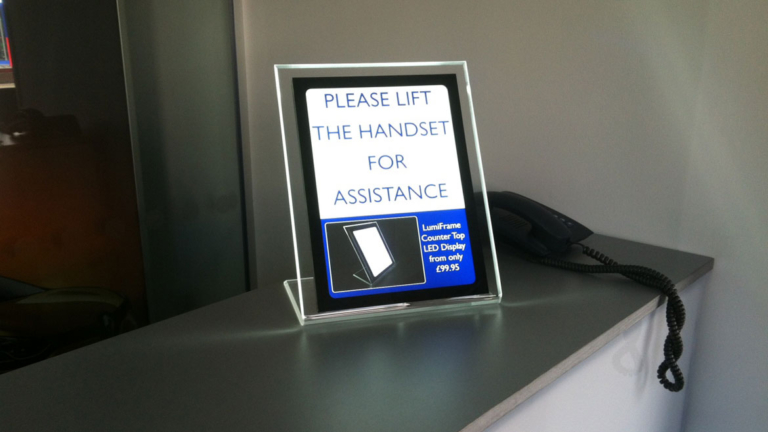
(301, 290)
(303, 297)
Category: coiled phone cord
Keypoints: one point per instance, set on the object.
(673, 344)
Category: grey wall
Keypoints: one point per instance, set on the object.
(586, 106)
(644, 120)
(180, 69)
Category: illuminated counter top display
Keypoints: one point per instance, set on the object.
(247, 364)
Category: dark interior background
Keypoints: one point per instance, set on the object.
(120, 170)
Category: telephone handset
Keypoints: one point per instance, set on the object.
(533, 227)
(542, 233)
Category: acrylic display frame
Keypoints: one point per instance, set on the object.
(301, 290)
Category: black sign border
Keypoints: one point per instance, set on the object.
(326, 303)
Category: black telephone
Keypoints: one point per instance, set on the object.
(542, 233)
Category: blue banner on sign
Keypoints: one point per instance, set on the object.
(369, 255)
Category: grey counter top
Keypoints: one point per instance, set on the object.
(246, 364)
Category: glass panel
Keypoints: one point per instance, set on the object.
(71, 269)
(180, 70)
(120, 173)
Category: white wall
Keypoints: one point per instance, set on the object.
(615, 389)
(725, 215)
(641, 119)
